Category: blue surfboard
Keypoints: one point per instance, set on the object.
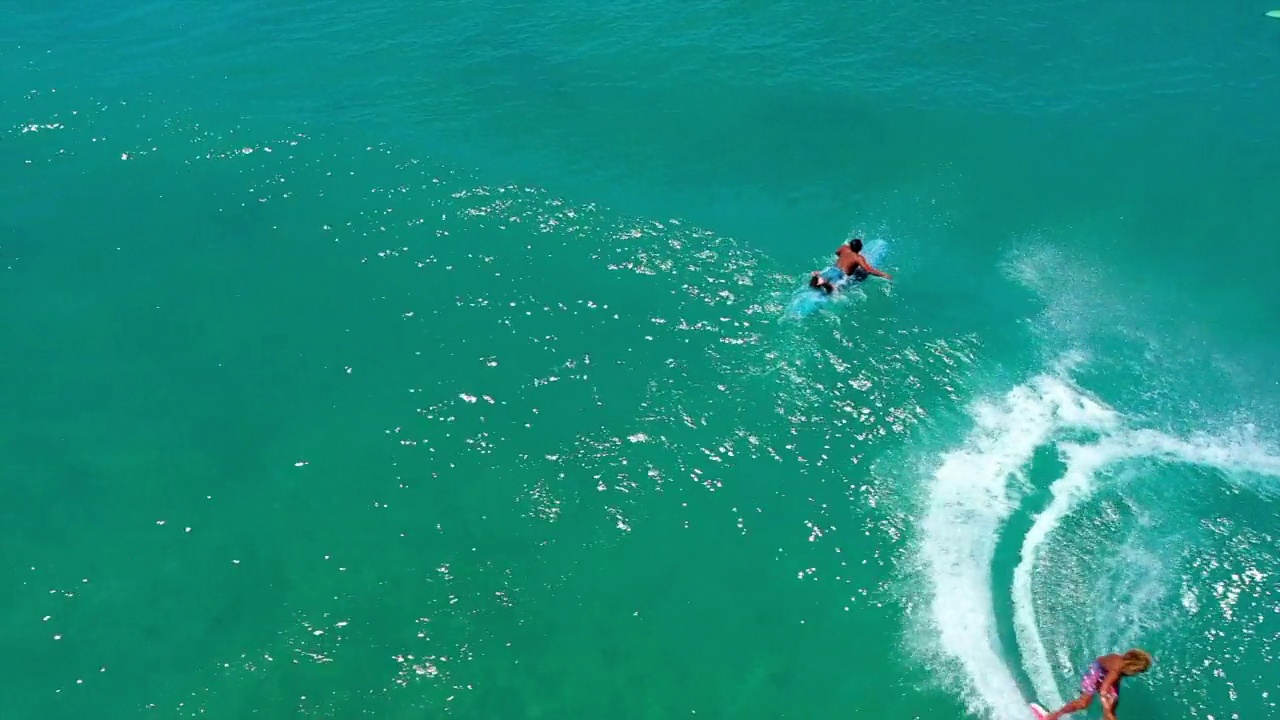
(807, 300)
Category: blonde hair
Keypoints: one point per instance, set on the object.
(1135, 661)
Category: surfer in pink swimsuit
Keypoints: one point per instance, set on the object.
(1103, 678)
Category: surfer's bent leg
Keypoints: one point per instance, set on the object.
(1076, 705)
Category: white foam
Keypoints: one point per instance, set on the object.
(970, 498)
(1077, 483)
(1074, 485)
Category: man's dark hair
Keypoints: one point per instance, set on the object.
(855, 244)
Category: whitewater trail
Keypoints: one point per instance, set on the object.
(971, 497)
(1078, 483)
(979, 485)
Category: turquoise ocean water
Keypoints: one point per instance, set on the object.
(410, 360)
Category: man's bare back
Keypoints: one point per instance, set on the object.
(850, 262)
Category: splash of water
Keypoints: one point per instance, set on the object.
(971, 498)
(1078, 483)
(977, 487)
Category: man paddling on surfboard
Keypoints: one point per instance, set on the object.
(1102, 678)
(849, 263)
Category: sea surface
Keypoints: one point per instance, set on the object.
(420, 360)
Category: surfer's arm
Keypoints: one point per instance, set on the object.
(1108, 685)
(866, 266)
(1109, 707)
